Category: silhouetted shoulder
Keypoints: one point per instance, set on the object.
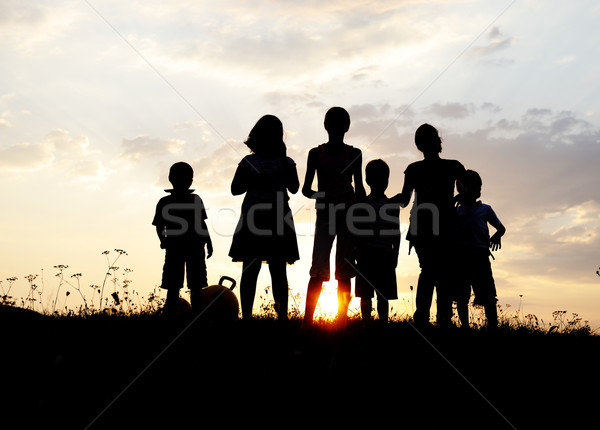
(199, 205)
(453, 166)
(490, 214)
(248, 161)
(314, 152)
(456, 165)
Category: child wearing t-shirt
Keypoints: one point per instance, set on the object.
(377, 244)
(180, 221)
(475, 243)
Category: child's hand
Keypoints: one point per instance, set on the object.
(209, 249)
(495, 242)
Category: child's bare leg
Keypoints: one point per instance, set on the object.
(313, 292)
(172, 301)
(491, 314)
(250, 271)
(366, 308)
(463, 313)
(383, 309)
(280, 287)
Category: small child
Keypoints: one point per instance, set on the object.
(377, 244)
(180, 221)
(475, 243)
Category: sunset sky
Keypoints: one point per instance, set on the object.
(98, 98)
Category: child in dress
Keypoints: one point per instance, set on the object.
(265, 231)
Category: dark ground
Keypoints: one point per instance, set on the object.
(141, 372)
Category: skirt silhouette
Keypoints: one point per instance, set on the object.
(265, 235)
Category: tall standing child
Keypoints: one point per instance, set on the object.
(180, 221)
(432, 229)
(475, 244)
(336, 166)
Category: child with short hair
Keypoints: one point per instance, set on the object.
(432, 223)
(475, 243)
(336, 166)
(180, 221)
(377, 244)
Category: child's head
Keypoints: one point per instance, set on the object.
(377, 175)
(428, 140)
(266, 137)
(469, 186)
(337, 120)
(181, 175)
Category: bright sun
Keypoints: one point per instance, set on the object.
(327, 306)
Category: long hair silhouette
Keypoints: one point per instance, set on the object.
(266, 137)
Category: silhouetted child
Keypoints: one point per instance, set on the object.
(180, 221)
(475, 244)
(265, 231)
(336, 165)
(377, 243)
(433, 225)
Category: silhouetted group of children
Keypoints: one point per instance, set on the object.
(449, 233)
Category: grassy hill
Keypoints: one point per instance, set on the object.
(143, 371)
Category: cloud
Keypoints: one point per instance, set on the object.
(145, 147)
(25, 157)
(450, 110)
(213, 172)
(27, 26)
(63, 142)
(284, 39)
(60, 150)
(4, 123)
(496, 42)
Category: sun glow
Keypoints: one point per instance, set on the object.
(327, 307)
